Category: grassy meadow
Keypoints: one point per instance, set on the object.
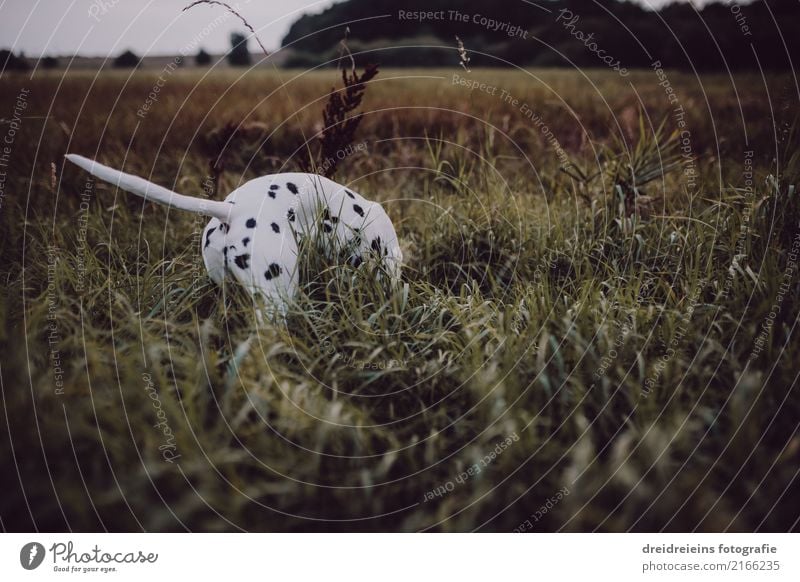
(596, 329)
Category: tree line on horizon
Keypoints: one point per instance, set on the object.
(547, 33)
(238, 56)
(716, 37)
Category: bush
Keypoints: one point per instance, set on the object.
(301, 60)
(48, 62)
(127, 60)
(11, 62)
(202, 58)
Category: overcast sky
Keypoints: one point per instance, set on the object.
(149, 27)
(103, 27)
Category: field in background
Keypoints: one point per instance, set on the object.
(608, 347)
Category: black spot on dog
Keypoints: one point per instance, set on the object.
(224, 228)
(242, 261)
(376, 244)
(350, 194)
(246, 240)
(274, 187)
(208, 236)
(356, 261)
(358, 209)
(273, 271)
(275, 227)
(327, 227)
(292, 188)
(230, 202)
(272, 191)
(290, 215)
(251, 223)
(326, 215)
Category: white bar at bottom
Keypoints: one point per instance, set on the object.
(402, 557)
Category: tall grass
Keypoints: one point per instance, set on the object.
(602, 318)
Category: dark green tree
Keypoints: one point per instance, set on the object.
(202, 58)
(239, 56)
(127, 60)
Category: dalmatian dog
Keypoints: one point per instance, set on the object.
(253, 235)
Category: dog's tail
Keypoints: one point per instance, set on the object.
(150, 191)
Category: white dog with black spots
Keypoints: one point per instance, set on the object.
(253, 235)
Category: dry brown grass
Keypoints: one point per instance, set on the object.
(519, 282)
